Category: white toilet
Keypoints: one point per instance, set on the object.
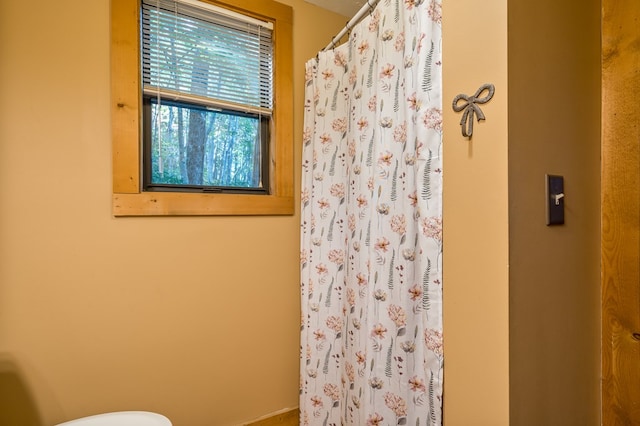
(121, 418)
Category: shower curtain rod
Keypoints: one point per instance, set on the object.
(370, 4)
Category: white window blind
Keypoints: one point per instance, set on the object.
(193, 53)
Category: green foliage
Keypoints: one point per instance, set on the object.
(387, 367)
(327, 302)
(231, 148)
(426, 81)
(391, 269)
(325, 366)
(426, 178)
(331, 225)
(426, 302)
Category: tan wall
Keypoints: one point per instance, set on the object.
(554, 127)
(476, 339)
(197, 318)
(521, 308)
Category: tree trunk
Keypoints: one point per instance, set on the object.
(195, 147)
(257, 157)
(228, 163)
(197, 138)
(212, 149)
(181, 147)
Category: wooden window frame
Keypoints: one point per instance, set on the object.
(126, 120)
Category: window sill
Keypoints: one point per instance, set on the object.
(186, 204)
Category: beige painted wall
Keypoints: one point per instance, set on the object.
(554, 127)
(522, 305)
(197, 318)
(475, 259)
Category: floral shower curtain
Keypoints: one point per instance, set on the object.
(371, 223)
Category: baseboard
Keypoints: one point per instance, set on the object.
(286, 417)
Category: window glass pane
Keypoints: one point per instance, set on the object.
(199, 147)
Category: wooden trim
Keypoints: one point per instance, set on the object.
(282, 418)
(197, 204)
(128, 198)
(125, 96)
(620, 214)
(284, 119)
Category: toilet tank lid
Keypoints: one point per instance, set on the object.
(121, 418)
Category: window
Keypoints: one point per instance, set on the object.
(207, 92)
(202, 108)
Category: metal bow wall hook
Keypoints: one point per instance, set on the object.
(468, 104)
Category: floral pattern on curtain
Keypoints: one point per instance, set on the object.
(371, 223)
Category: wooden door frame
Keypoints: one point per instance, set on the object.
(620, 212)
